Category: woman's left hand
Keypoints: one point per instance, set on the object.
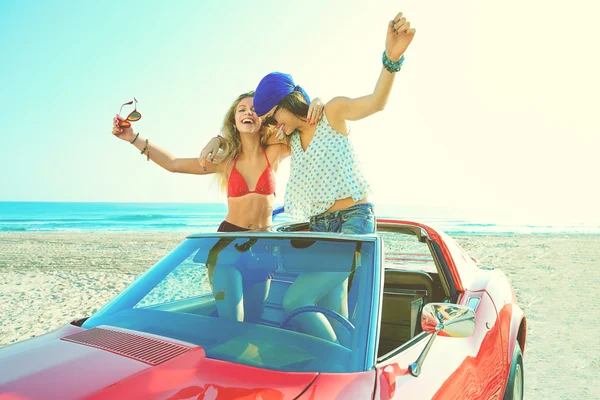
(399, 36)
(315, 111)
(209, 151)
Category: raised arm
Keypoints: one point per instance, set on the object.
(161, 156)
(340, 109)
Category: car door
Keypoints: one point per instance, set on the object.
(454, 368)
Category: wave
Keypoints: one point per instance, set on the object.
(13, 229)
(141, 217)
(138, 218)
(190, 218)
(182, 227)
(474, 225)
(42, 220)
(71, 220)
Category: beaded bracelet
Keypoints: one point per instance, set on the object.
(135, 138)
(144, 151)
(392, 66)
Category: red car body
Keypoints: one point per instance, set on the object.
(59, 365)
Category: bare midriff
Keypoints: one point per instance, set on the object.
(252, 211)
(342, 204)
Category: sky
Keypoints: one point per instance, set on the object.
(495, 111)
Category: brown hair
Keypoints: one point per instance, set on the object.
(296, 104)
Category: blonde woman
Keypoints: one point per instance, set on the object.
(245, 169)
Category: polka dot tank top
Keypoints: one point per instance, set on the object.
(327, 171)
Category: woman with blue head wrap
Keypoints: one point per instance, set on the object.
(326, 184)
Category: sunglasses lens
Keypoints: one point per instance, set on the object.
(134, 116)
(124, 124)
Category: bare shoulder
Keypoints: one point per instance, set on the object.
(333, 113)
(225, 169)
(277, 153)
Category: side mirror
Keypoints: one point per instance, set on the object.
(444, 319)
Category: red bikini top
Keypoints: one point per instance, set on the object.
(237, 186)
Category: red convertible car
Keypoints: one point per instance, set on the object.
(421, 321)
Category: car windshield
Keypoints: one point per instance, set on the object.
(227, 294)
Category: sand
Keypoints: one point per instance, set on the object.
(49, 279)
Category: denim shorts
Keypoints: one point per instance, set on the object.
(358, 219)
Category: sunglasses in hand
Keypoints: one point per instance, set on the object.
(133, 116)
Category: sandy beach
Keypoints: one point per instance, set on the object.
(49, 279)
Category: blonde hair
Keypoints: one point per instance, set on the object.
(231, 144)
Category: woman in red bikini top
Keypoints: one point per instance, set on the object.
(245, 167)
(237, 186)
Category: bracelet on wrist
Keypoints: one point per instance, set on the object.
(135, 138)
(146, 150)
(392, 66)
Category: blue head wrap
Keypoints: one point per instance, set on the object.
(272, 89)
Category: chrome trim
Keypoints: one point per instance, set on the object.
(288, 235)
(452, 319)
(473, 303)
(401, 228)
(376, 304)
(438, 266)
(518, 383)
(416, 339)
(295, 226)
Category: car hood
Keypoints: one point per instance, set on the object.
(55, 367)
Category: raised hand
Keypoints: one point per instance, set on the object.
(122, 133)
(399, 36)
(209, 152)
(315, 111)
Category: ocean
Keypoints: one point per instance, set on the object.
(206, 217)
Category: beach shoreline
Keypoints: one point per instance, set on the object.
(49, 279)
